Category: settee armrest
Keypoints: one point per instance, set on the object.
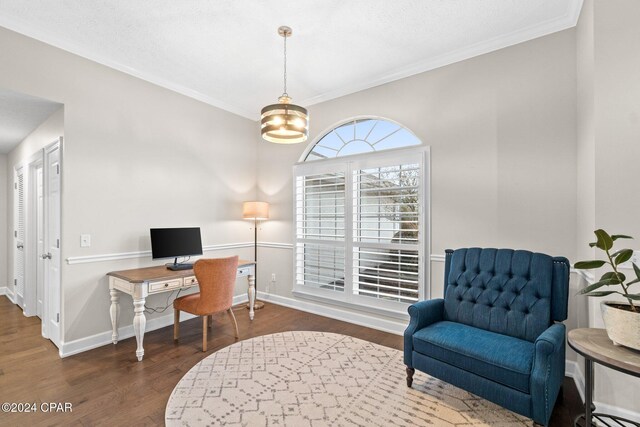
(547, 373)
(422, 314)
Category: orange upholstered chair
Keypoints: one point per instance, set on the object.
(216, 279)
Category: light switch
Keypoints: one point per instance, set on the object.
(85, 240)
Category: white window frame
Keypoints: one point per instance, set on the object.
(392, 157)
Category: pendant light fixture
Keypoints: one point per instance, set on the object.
(284, 122)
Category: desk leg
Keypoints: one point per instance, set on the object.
(252, 294)
(588, 392)
(139, 323)
(115, 314)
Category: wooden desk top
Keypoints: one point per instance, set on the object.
(159, 272)
(596, 345)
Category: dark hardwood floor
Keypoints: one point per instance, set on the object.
(107, 386)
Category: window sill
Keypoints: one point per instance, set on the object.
(395, 314)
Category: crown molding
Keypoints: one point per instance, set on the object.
(566, 21)
(25, 29)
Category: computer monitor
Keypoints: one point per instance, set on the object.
(175, 243)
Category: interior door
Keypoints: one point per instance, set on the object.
(19, 237)
(40, 248)
(51, 256)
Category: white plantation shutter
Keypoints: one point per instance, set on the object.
(386, 231)
(320, 231)
(360, 228)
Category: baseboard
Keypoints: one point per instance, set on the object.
(575, 370)
(617, 411)
(103, 338)
(361, 319)
(8, 293)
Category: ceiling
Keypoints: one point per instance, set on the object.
(227, 52)
(19, 116)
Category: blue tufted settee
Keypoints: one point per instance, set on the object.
(494, 333)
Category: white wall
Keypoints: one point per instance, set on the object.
(4, 280)
(135, 156)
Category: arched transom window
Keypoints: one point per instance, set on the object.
(361, 136)
(361, 220)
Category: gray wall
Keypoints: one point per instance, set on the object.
(614, 140)
(501, 128)
(135, 156)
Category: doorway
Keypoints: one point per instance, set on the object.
(37, 235)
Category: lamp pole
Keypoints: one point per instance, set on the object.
(257, 305)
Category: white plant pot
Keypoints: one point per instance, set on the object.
(623, 326)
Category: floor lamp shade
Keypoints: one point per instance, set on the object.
(257, 211)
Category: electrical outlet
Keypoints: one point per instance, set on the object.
(273, 277)
(635, 258)
(85, 240)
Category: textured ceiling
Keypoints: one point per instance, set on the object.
(19, 116)
(227, 52)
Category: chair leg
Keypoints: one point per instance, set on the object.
(204, 333)
(210, 320)
(410, 372)
(176, 324)
(235, 324)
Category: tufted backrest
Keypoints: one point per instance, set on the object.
(505, 291)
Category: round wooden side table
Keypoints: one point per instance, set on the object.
(595, 346)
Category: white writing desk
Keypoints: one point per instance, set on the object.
(141, 282)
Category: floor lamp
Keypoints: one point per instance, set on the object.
(255, 211)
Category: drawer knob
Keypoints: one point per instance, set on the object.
(166, 284)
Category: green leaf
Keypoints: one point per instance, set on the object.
(615, 237)
(591, 288)
(613, 278)
(592, 244)
(633, 281)
(623, 256)
(635, 297)
(604, 242)
(602, 293)
(587, 265)
(636, 269)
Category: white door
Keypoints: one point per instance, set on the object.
(51, 254)
(19, 237)
(39, 173)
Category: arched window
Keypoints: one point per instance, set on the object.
(361, 221)
(361, 136)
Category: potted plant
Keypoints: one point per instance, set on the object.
(621, 320)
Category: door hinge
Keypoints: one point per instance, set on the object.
(58, 169)
(15, 282)
(58, 243)
(58, 318)
(15, 233)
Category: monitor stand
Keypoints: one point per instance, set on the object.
(176, 267)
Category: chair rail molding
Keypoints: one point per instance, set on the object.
(144, 254)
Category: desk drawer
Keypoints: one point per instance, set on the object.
(190, 281)
(167, 285)
(244, 271)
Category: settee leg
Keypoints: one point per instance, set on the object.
(410, 372)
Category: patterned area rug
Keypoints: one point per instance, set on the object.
(319, 379)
